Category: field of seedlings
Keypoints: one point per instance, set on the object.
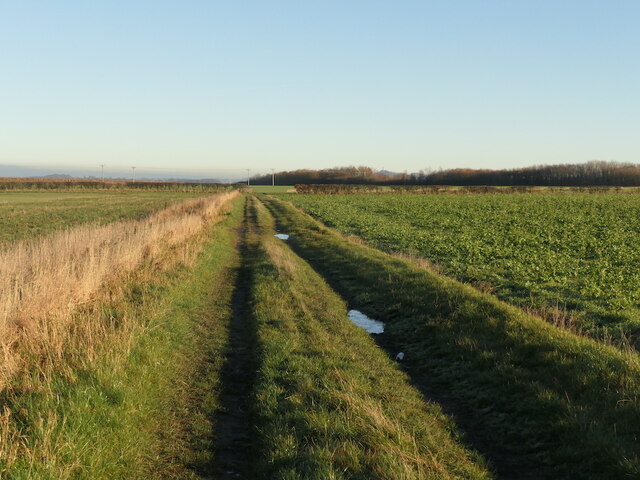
(571, 257)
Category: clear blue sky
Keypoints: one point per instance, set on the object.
(302, 84)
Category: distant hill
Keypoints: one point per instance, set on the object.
(17, 171)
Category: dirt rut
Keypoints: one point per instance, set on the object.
(234, 432)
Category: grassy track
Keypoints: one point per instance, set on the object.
(143, 404)
(330, 404)
(31, 214)
(540, 402)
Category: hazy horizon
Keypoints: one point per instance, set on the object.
(260, 85)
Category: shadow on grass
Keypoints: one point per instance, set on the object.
(234, 435)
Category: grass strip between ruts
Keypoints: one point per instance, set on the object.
(331, 404)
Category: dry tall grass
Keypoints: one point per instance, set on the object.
(42, 282)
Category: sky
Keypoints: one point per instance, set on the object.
(400, 85)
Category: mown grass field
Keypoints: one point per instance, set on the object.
(31, 214)
(571, 257)
(216, 350)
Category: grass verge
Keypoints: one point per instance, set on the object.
(141, 404)
(540, 402)
(43, 281)
(330, 403)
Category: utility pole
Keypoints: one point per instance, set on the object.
(133, 174)
(102, 172)
(248, 176)
(273, 178)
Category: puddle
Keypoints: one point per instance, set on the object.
(369, 324)
(282, 236)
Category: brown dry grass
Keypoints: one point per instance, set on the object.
(42, 282)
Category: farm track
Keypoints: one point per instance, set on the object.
(233, 431)
(323, 410)
(233, 435)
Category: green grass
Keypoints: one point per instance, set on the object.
(143, 405)
(330, 403)
(271, 188)
(572, 256)
(32, 214)
(540, 401)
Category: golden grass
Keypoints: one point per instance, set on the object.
(42, 282)
(404, 454)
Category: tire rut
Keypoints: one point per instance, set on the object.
(234, 430)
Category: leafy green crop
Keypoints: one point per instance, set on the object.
(553, 252)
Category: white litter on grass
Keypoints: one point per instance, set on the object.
(369, 324)
(400, 356)
(282, 236)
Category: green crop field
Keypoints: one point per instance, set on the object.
(30, 214)
(571, 256)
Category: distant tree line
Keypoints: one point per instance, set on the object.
(7, 183)
(585, 174)
(593, 173)
(338, 175)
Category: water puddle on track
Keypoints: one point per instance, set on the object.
(369, 324)
(282, 236)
